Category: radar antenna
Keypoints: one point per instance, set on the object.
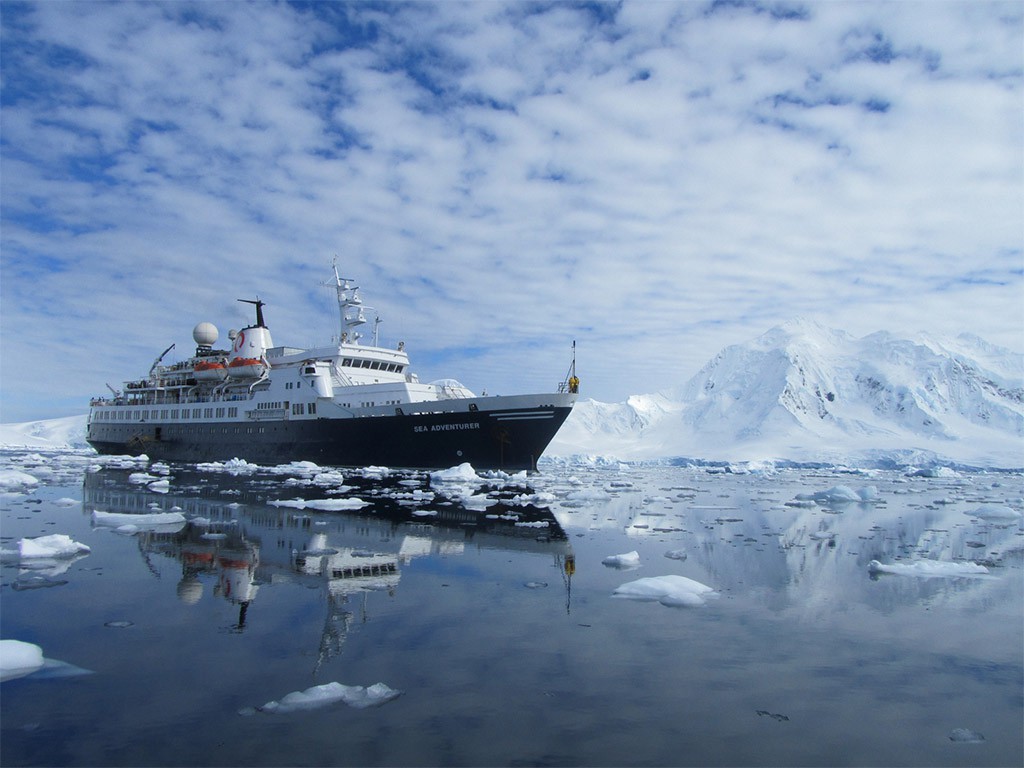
(259, 310)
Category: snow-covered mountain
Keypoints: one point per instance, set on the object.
(68, 432)
(808, 393)
(799, 392)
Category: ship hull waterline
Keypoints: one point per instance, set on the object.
(510, 440)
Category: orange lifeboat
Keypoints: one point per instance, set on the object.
(246, 368)
(210, 370)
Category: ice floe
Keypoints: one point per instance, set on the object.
(463, 473)
(54, 546)
(841, 494)
(994, 512)
(15, 479)
(329, 693)
(139, 522)
(326, 505)
(627, 561)
(18, 658)
(929, 568)
(673, 591)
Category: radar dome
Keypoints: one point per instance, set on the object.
(205, 334)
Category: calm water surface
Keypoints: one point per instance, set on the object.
(489, 608)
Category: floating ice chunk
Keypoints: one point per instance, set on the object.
(461, 474)
(535, 524)
(142, 522)
(868, 493)
(141, 478)
(932, 472)
(673, 591)
(425, 512)
(837, 494)
(57, 545)
(330, 693)
(233, 467)
(627, 561)
(65, 502)
(11, 479)
(589, 494)
(160, 486)
(328, 505)
(18, 659)
(676, 554)
(994, 512)
(928, 568)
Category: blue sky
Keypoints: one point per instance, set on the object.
(655, 180)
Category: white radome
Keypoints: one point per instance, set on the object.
(205, 334)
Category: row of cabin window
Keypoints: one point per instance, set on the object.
(373, 365)
(172, 414)
(372, 404)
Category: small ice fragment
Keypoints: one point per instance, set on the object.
(676, 554)
(56, 545)
(116, 519)
(994, 512)
(121, 624)
(327, 505)
(674, 591)
(928, 568)
(460, 474)
(628, 560)
(535, 584)
(965, 736)
(329, 693)
(14, 479)
(868, 493)
(18, 659)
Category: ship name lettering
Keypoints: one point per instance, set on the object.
(447, 427)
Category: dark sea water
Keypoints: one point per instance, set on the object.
(485, 611)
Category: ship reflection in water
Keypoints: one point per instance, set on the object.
(231, 535)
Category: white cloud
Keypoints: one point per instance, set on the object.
(655, 180)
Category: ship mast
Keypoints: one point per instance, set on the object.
(351, 310)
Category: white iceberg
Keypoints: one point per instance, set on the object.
(327, 505)
(673, 591)
(626, 561)
(464, 473)
(18, 659)
(928, 568)
(15, 479)
(837, 494)
(140, 522)
(54, 546)
(994, 512)
(329, 693)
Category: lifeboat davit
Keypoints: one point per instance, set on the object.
(210, 370)
(247, 368)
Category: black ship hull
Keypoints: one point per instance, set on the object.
(510, 440)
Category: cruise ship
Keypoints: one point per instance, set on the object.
(346, 404)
